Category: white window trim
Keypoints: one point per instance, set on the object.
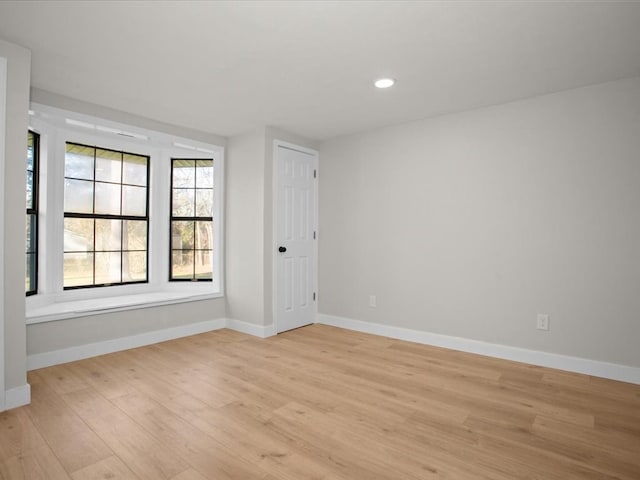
(52, 302)
(3, 98)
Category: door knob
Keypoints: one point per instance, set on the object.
(282, 249)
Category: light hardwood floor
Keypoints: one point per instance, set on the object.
(317, 403)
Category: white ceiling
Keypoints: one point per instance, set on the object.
(308, 67)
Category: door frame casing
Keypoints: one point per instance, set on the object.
(3, 146)
(274, 228)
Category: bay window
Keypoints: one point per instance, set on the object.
(129, 217)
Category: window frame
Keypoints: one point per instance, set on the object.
(52, 301)
(33, 211)
(96, 216)
(195, 218)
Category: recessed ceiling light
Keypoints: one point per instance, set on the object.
(384, 82)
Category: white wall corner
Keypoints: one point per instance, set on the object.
(262, 331)
(47, 359)
(595, 368)
(18, 396)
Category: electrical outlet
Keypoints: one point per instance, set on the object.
(542, 322)
(372, 301)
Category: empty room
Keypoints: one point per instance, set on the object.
(337, 240)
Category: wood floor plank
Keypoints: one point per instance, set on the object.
(145, 456)
(17, 434)
(97, 373)
(188, 379)
(72, 441)
(190, 474)
(318, 403)
(35, 464)
(111, 468)
(204, 453)
(62, 380)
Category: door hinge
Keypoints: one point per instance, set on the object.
(315, 174)
(314, 296)
(314, 235)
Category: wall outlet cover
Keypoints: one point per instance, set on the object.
(542, 322)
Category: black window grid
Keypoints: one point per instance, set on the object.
(32, 216)
(120, 217)
(193, 218)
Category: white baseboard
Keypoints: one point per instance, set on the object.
(262, 331)
(613, 371)
(47, 359)
(17, 397)
(71, 354)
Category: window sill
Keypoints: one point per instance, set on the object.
(61, 310)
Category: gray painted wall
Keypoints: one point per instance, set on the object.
(61, 334)
(244, 226)
(249, 223)
(59, 101)
(18, 79)
(470, 224)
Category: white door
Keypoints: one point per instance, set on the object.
(295, 219)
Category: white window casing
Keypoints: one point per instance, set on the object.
(52, 302)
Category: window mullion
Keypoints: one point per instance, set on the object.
(101, 178)
(147, 247)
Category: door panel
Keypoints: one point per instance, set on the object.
(296, 218)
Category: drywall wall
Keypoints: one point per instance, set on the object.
(244, 227)
(44, 97)
(17, 106)
(249, 223)
(471, 224)
(62, 334)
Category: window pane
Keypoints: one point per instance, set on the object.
(182, 265)
(30, 150)
(30, 189)
(204, 235)
(134, 170)
(108, 235)
(78, 269)
(78, 234)
(31, 246)
(134, 201)
(181, 235)
(105, 196)
(108, 166)
(183, 202)
(78, 196)
(204, 173)
(134, 235)
(107, 199)
(204, 265)
(204, 203)
(134, 266)
(184, 174)
(78, 161)
(30, 279)
(108, 268)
